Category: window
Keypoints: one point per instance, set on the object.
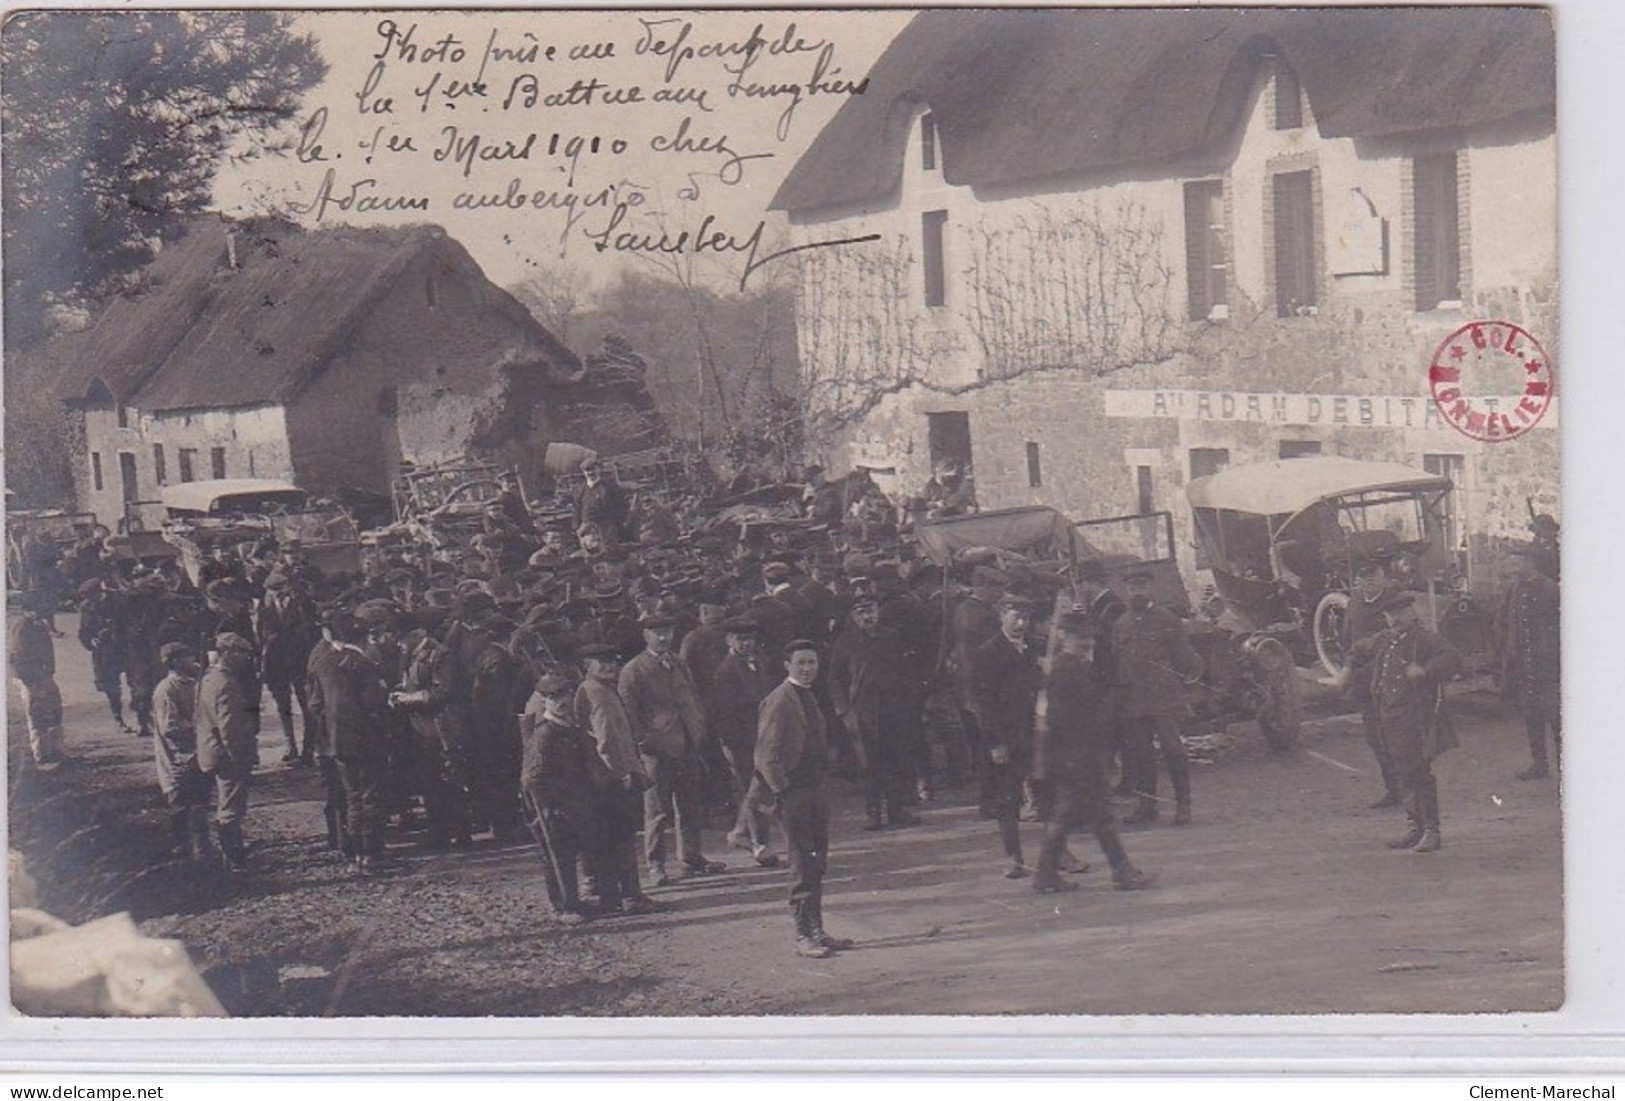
(1296, 449)
(188, 460)
(1295, 282)
(936, 280)
(928, 142)
(1208, 460)
(1207, 260)
(1437, 234)
(123, 415)
(948, 435)
(217, 462)
(129, 485)
(96, 470)
(1142, 484)
(1035, 472)
(1288, 99)
(160, 473)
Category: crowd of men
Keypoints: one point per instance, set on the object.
(636, 669)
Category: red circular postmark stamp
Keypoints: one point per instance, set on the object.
(1491, 381)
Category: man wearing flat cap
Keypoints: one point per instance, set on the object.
(1007, 676)
(185, 788)
(1408, 666)
(228, 727)
(1365, 620)
(668, 718)
(1156, 666)
(601, 502)
(732, 702)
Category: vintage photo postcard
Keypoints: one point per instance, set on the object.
(662, 513)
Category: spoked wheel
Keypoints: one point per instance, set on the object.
(1280, 709)
(1332, 631)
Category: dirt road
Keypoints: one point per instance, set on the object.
(1280, 898)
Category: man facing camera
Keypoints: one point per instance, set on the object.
(792, 746)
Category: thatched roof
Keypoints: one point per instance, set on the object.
(1023, 95)
(201, 334)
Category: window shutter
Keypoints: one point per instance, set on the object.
(1294, 242)
(1437, 239)
(1197, 261)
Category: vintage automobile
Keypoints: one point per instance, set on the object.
(195, 517)
(1283, 540)
(1247, 675)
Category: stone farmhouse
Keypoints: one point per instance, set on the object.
(1118, 249)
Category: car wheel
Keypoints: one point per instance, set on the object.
(1280, 710)
(1331, 628)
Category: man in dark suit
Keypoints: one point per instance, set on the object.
(1408, 666)
(562, 777)
(1072, 756)
(1104, 608)
(866, 687)
(601, 502)
(732, 703)
(1155, 666)
(1365, 620)
(975, 621)
(792, 747)
(349, 715)
(1531, 659)
(1007, 679)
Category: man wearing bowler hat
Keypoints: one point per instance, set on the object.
(1007, 676)
(742, 681)
(1072, 756)
(866, 687)
(561, 776)
(1155, 667)
(668, 720)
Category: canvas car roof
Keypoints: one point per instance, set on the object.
(1291, 485)
(199, 496)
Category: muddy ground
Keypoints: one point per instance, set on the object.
(1280, 898)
